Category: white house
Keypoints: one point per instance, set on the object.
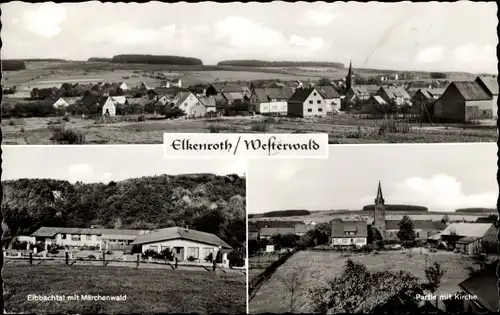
(190, 104)
(269, 101)
(164, 100)
(349, 233)
(123, 86)
(307, 102)
(86, 237)
(109, 104)
(209, 102)
(490, 85)
(173, 83)
(63, 102)
(331, 96)
(186, 244)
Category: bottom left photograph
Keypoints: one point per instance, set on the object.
(120, 229)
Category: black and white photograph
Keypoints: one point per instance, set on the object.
(126, 73)
(378, 229)
(118, 229)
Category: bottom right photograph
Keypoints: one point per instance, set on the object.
(375, 229)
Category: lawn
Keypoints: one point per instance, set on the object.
(318, 267)
(147, 290)
(342, 129)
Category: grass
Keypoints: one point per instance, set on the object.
(322, 266)
(147, 290)
(342, 129)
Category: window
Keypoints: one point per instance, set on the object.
(314, 93)
(178, 250)
(320, 109)
(163, 248)
(310, 102)
(63, 236)
(352, 240)
(207, 251)
(194, 252)
(418, 234)
(84, 237)
(75, 237)
(318, 101)
(309, 110)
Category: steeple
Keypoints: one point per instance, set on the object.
(350, 78)
(349, 73)
(379, 200)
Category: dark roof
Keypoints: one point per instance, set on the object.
(173, 233)
(484, 286)
(270, 231)
(180, 98)
(364, 90)
(219, 87)
(208, 101)
(490, 83)
(419, 224)
(288, 91)
(395, 91)
(328, 92)
(340, 227)
(301, 95)
(232, 96)
(490, 219)
(266, 94)
(471, 90)
(52, 231)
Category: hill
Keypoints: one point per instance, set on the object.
(398, 208)
(262, 63)
(475, 210)
(205, 202)
(98, 59)
(156, 59)
(280, 213)
(13, 65)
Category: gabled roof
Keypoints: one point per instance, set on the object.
(181, 97)
(232, 96)
(301, 95)
(173, 233)
(378, 99)
(484, 286)
(418, 224)
(470, 90)
(468, 229)
(219, 87)
(328, 92)
(266, 94)
(208, 101)
(360, 228)
(52, 231)
(119, 99)
(364, 90)
(395, 92)
(490, 83)
(303, 228)
(265, 232)
(288, 91)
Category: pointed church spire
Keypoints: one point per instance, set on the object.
(349, 73)
(380, 198)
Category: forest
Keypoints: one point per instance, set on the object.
(261, 63)
(99, 59)
(204, 202)
(398, 208)
(13, 65)
(157, 59)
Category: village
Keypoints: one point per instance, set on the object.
(355, 108)
(288, 249)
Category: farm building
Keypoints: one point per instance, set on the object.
(219, 88)
(469, 235)
(373, 102)
(190, 104)
(484, 286)
(63, 102)
(85, 237)
(307, 102)
(331, 96)
(186, 244)
(394, 94)
(209, 103)
(269, 101)
(349, 233)
(464, 101)
(424, 97)
(490, 85)
(109, 104)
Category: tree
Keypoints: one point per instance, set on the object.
(434, 273)
(453, 238)
(445, 219)
(479, 256)
(292, 282)
(353, 292)
(406, 233)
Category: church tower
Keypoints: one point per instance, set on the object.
(350, 80)
(379, 212)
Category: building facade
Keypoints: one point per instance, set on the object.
(349, 233)
(307, 102)
(189, 104)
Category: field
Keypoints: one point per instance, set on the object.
(319, 267)
(147, 290)
(342, 129)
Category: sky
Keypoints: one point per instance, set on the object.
(427, 36)
(91, 164)
(442, 177)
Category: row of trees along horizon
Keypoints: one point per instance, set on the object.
(205, 202)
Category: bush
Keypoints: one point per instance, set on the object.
(209, 258)
(141, 118)
(91, 257)
(191, 258)
(60, 135)
(66, 118)
(214, 128)
(261, 126)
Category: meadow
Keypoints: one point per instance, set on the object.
(147, 290)
(342, 129)
(317, 267)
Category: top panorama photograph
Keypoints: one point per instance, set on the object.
(116, 73)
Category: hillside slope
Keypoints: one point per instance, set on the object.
(205, 202)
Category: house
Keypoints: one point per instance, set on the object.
(306, 102)
(231, 97)
(269, 101)
(85, 237)
(253, 233)
(484, 286)
(470, 235)
(375, 101)
(349, 233)
(422, 228)
(109, 104)
(209, 103)
(123, 86)
(464, 101)
(394, 94)
(359, 93)
(186, 244)
(190, 104)
(173, 83)
(164, 100)
(301, 229)
(63, 102)
(144, 87)
(424, 97)
(219, 88)
(268, 232)
(331, 96)
(490, 85)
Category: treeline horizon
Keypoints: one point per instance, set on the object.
(263, 63)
